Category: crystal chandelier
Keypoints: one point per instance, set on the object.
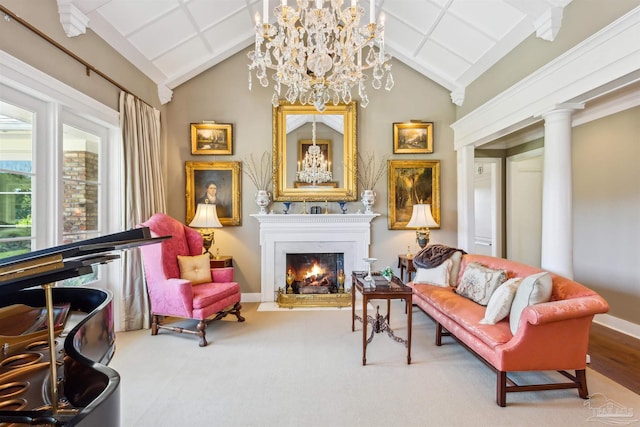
(320, 53)
(314, 168)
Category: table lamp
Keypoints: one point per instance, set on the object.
(206, 219)
(422, 219)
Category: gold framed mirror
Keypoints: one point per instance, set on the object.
(335, 132)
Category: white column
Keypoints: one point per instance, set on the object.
(557, 209)
(466, 214)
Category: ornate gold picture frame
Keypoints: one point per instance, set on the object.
(220, 183)
(211, 138)
(411, 182)
(413, 138)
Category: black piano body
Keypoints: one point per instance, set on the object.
(87, 389)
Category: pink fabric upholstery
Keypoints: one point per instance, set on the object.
(172, 296)
(550, 336)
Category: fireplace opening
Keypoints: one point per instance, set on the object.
(314, 273)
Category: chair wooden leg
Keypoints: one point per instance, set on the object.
(202, 326)
(501, 389)
(154, 324)
(581, 376)
(236, 310)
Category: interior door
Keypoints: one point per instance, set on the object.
(488, 206)
(524, 207)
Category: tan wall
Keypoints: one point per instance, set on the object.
(606, 202)
(221, 94)
(581, 18)
(23, 44)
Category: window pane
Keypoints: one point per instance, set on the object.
(16, 157)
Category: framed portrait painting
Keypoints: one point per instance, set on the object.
(211, 138)
(412, 182)
(218, 183)
(413, 138)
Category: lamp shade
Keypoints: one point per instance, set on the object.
(205, 217)
(421, 216)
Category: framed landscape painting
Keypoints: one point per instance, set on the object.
(412, 182)
(413, 138)
(214, 182)
(211, 138)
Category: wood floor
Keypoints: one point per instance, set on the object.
(616, 356)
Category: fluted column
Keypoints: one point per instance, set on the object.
(557, 208)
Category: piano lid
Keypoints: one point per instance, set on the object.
(70, 260)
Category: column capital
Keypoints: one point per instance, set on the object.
(560, 108)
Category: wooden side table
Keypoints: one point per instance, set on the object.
(221, 262)
(379, 288)
(406, 262)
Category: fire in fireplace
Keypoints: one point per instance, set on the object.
(314, 273)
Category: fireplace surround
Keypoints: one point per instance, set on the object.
(282, 234)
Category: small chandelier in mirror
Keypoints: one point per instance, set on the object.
(320, 52)
(315, 169)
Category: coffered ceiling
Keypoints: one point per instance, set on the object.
(451, 42)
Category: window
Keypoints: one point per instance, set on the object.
(60, 170)
(16, 177)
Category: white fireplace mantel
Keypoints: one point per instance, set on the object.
(281, 234)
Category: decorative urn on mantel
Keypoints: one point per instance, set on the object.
(369, 173)
(262, 200)
(368, 200)
(261, 174)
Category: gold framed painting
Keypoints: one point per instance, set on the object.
(218, 183)
(211, 138)
(411, 182)
(413, 138)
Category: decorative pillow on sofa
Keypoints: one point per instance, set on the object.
(195, 268)
(479, 282)
(499, 304)
(533, 289)
(435, 276)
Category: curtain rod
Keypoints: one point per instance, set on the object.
(88, 67)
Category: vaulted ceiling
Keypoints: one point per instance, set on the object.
(452, 42)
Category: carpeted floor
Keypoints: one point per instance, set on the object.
(304, 368)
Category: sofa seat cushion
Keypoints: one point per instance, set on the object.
(208, 293)
(465, 312)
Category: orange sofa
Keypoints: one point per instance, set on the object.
(551, 336)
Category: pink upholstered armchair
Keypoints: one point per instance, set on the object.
(170, 295)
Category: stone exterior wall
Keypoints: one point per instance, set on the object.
(80, 206)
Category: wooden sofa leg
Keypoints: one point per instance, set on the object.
(438, 334)
(501, 389)
(202, 326)
(581, 376)
(154, 324)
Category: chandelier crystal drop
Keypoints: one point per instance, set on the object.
(320, 51)
(314, 168)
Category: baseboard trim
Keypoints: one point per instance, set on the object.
(620, 325)
(252, 297)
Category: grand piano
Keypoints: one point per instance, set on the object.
(73, 327)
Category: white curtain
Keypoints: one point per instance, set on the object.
(144, 196)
